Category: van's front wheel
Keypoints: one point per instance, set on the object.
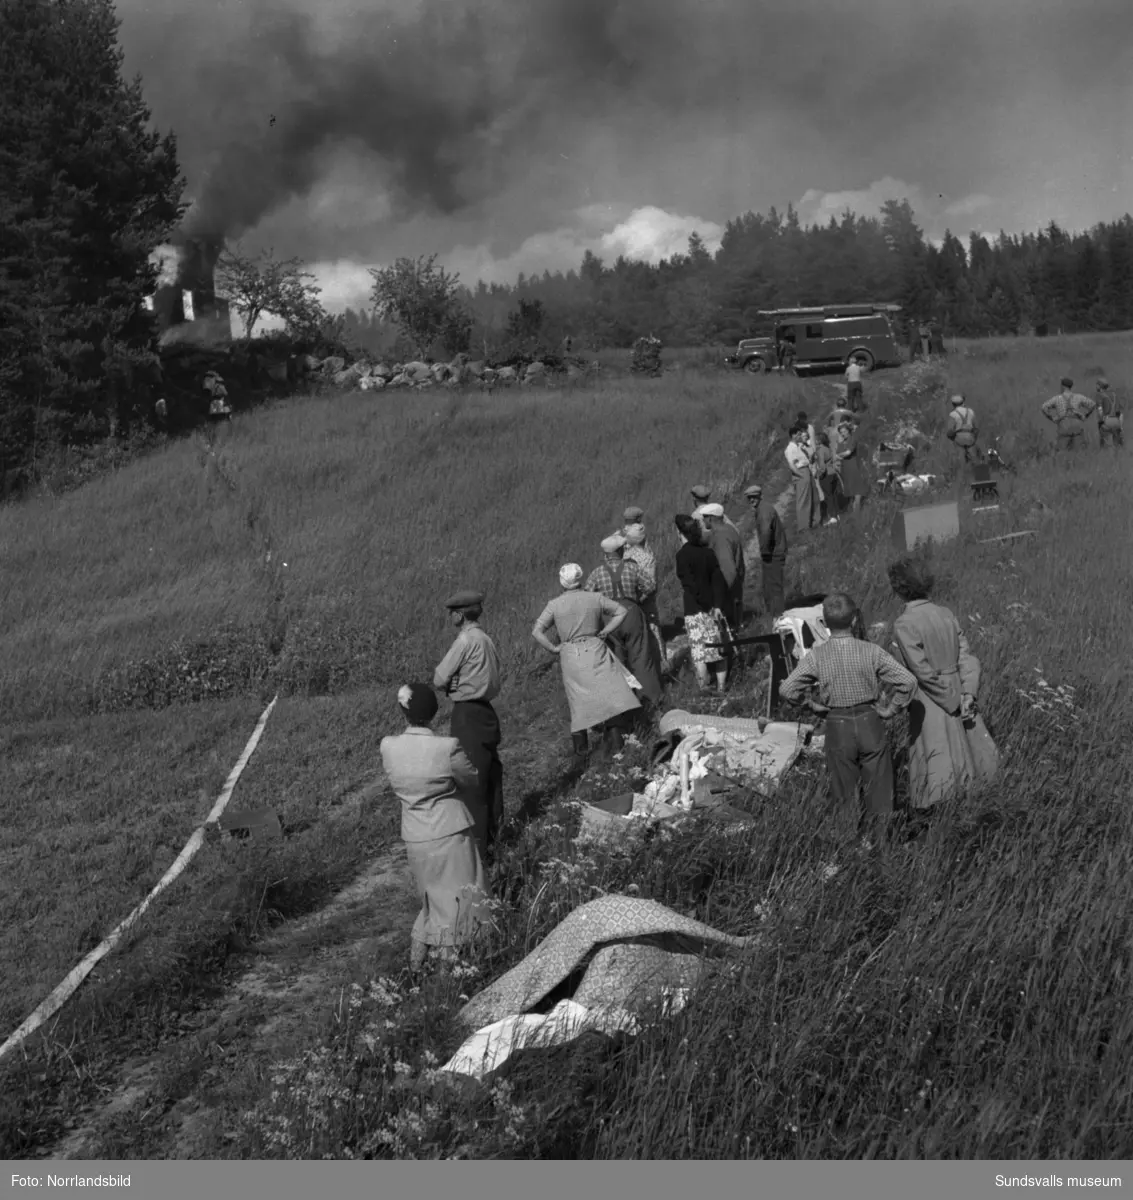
(755, 365)
(865, 359)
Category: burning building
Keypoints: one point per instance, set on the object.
(185, 301)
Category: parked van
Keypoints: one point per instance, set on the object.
(834, 334)
(826, 336)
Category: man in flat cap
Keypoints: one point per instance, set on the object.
(469, 674)
(621, 580)
(639, 551)
(1068, 412)
(770, 543)
(728, 546)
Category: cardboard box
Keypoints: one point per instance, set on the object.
(929, 522)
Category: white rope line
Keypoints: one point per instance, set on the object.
(67, 988)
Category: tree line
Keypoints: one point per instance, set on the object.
(1046, 282)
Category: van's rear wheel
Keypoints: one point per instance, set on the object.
(865, 359)
(755, 365)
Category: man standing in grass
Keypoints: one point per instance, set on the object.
(469, 674)
(850, 676)
(770, 543)
(854, 385)
(1109, 416)
(1069, 410)
(962, 429)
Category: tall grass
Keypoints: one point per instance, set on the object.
(960, 995)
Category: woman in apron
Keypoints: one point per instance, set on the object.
(596, 687)
(633, 643)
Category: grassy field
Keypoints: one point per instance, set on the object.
(962, 995)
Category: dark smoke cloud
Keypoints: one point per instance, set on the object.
(467, 105)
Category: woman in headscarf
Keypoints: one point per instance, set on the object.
(638, 550)
(705, 595)
(596, 685)
(928, 641)
(430, 775)
(851, 471)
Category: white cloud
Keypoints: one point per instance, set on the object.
(651, 234)
(646, 234)
(817, 207)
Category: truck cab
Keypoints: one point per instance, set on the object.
(754, 354)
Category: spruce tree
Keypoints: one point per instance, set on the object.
(87, 190)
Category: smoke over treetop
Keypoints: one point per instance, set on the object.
(502, 116)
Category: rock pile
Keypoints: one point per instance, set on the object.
(646, 356)
(368, 376)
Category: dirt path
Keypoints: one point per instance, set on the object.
(290, 981)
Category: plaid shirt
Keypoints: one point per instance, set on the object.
(646, 562)
(1064, 405)
(633, 584)
(848, 672)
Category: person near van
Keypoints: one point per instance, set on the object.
(789, 354)
(1069, 411)
(854, 385)
(962, 430)
(1109, 416)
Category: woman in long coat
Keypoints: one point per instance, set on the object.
(431, 775)
(705, 596)
(808, 498)
(596, 685)
(929, 642)
(851, 469)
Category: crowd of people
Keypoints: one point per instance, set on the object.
(828, 468)
(605, 630)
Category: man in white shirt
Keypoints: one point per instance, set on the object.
(854, 385)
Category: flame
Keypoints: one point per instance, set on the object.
(167, 259)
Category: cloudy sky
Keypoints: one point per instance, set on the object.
(512, 135)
